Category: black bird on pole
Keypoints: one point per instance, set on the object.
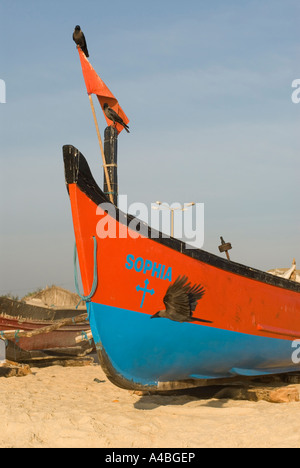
(79, 39)
(181, 300)
(112, 115)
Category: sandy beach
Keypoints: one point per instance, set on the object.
(70, 407)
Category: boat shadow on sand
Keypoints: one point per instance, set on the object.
(205, 396)
(275, 389)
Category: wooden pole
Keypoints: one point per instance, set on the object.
(102, 151)
(111, 154)
(172, 222)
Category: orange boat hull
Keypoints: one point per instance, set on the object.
(255, 316)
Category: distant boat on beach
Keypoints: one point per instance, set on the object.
(18, 318)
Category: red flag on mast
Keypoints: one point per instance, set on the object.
(95, 85)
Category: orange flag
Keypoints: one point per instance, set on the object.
(95, 85)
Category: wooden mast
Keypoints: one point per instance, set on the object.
(102, 151)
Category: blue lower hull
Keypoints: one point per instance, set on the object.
(145, 351)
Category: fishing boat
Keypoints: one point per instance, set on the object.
(18, 319)
(254, 316)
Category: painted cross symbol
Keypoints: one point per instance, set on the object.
(151, 291)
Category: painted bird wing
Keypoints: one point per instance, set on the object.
(181, 299)
(195, 294)
(176, 299)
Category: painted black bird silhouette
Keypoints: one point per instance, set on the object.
(112, 115)
(79, 39)
(181, 300)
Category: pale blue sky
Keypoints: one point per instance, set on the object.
(207, 88)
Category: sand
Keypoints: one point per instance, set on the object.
(69, 407)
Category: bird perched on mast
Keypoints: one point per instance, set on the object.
(79, 39)
(181, 300)
(112, 115)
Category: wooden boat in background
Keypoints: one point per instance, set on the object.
(16, 316)
(255, 315)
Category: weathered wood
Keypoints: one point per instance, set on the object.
(84, 336)
(111, 158)
(10, 334)
(293, 378)
(78, 362)
(279, 388)
(272, 394)
(285, 394)
(13, 369)
(101, 149)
